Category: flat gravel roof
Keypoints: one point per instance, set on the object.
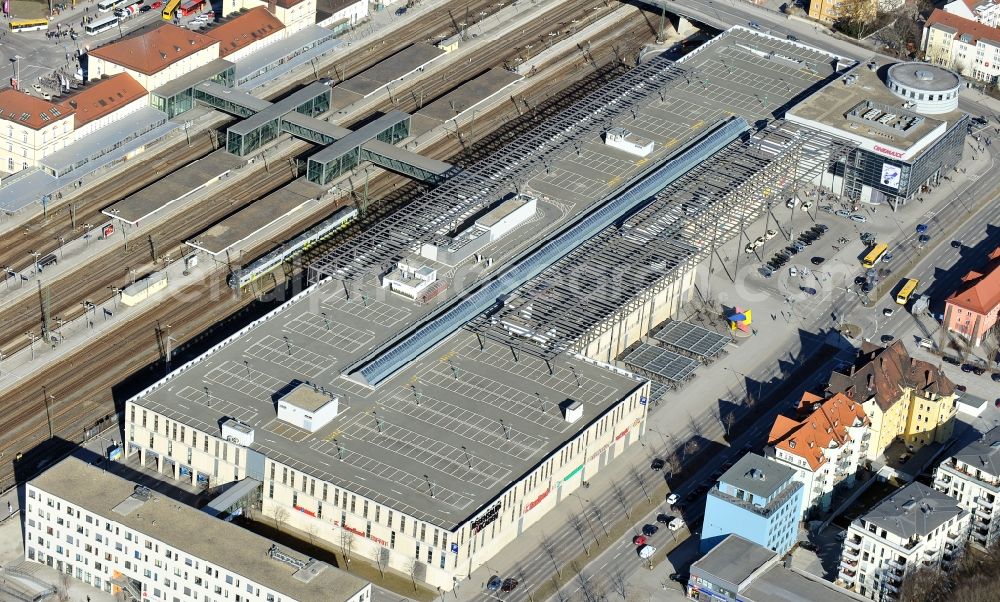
(463, 421)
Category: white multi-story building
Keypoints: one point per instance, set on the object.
(916, 527)
(972, 476)
(961, 44)
(122, 538)
(986, 12)
(824, 447)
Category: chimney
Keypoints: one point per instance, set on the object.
(871, 378)
(272, 6)
(927, 378)
(72, 103)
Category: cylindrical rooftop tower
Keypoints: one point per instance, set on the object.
(928, 88)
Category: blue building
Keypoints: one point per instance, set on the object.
(757, 499)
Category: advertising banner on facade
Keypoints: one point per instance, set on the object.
(890, 175)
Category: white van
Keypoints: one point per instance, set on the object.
(926, 343)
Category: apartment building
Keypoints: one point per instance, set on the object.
(971, 48)
(971, 311)
(757, 499)
(824, 445)
(972, 476)
(916, 527)
(904, 398)
(124, 539)
(31, 129)
(986, 12)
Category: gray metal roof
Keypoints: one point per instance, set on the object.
(192, 78)
(280, 108)
(913, 511)
(664, 364)
(733, 561)
(758, 475)
(691, 338)
(780, 584)
(413, 57)
(93, 146)
(359, 136)
(275, 55)
(982, 454)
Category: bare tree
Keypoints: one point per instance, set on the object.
(346, 545)
(619, 583)
(691, 448)
(549, 547)
(62, 592)
(312, 531)
(381, 558)
(619, 494)
(280, 517)
(577, 523)
(411, 570)
(641, 481)
(588, 588)
(728, 422)
(671, 464)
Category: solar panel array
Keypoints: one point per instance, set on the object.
(661, 363)
(691, 338)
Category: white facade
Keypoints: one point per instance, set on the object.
(23, 147)
(625, 140)
(294, 16)
(102, 122)
(98, 533)
(338, 515)
(308, 408)
(352, 13)
(99, 67)
(975, 483)
(410, 279)
(929, 99)
(507, 216)
(875, 560)
(986, 12)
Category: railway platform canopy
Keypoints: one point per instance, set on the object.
(278, 58)
(225, 236)
(463, 99)
(411, 59)
(144, 203)
(177, 95)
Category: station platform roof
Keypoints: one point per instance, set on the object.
(173, 187)
(192, 78)
(463, 98)
(359, 136)
(278, 58)
(257, 216)
(92, 147)
(406, 61)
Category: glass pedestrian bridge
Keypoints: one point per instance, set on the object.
(297, 114)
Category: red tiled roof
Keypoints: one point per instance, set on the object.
(25, 109)
(823, 427)
(244, 29)
(980, 291)
(961, 25)
(104, 96)
(154, 50)
(882, 372)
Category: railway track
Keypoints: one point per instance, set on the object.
(97, 281)
(53, 409)
(42, 235)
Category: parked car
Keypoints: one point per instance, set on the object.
(649, 530)
(888, 311)
(859, 217)
(807, 545)
(842, 213)
(967, 368)
(672, 499)
(791, 38)
(887, 258)
(996, 377)
(808, 290)
(956, 244)
(978, 370)
(817, 260)
(792, 250)
(663, 519)
(961, 388)
(509, 584)
(821, 227)
(770, 234)
(494, 583)
(145, 9)
(954, 361)
(156, 5)
(754, 25)
(676, 524)
(792, 271)
(766, 272)
(657, 464)
(924, 239)
(887, 338)
(639, 540)
(679, 577)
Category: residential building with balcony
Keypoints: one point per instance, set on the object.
(758, 499)
(916, 527)
(739, 569)
(971, 311)
(904, 398)
(986, 12)
(126, 540)
(962, 45)
(972, 476)
(824, 445)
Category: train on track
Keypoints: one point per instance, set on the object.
(240, 278)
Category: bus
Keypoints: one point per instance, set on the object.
(106, 6)
(170, 9)
(101, 25)
(909, 285)
(874, 255)
(29, 24)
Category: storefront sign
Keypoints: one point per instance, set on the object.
(622, 434)
(890, 152)
(454, 548)
(304, 511)
(491, 515)
(357, 532)
(536, 501)
(572, 474)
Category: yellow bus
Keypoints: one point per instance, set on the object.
(909, 285)
(170, 9)
(29, 24)
(874, 255)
